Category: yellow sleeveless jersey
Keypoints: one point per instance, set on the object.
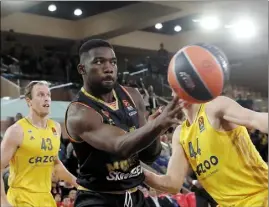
(32, 164)
(227, 164)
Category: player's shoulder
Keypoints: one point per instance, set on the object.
(16, 128)
(14, 133)
(132, 91)
(176, 134)
(129, 88)
(136, 96)
(220, 99)
(78, 115)
(218, 104)
(77, 108)
(57, 125)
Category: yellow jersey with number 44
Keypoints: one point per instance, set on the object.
(32, 164)
(227, 164)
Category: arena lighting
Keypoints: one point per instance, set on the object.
(177, 28)
(244, 28)
(198, 20)
(228, 26)
(6, 98)
(52, 8)
(159, 26)
(77, 12)
(210, 23)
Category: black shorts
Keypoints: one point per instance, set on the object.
(90, 199)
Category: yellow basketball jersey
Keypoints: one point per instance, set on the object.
(32, 165)
(227, 164)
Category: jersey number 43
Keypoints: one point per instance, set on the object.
(46, 144)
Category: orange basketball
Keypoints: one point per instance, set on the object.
(197, 73)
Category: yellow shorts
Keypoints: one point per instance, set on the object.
(22, 198)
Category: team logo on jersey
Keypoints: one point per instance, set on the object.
(128, 105)
(32, 138)
(54, 131)
(29, 131)
(131, 109)
(201, 124)
(132, 113)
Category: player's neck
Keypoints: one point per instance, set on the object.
(109, 97)
(36, 120)
(191, 112)
(106, 97)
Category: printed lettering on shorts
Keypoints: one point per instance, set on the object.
(123, 170)
(204, 168)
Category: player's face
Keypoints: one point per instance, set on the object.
(41, 100)
(101, 69)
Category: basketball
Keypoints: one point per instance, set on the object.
(197, 73)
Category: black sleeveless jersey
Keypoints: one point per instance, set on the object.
(102, 171)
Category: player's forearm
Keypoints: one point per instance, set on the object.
(151, 153)
(63, 174)
(132, 142)
(162, 183)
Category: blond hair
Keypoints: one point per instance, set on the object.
(29, 88)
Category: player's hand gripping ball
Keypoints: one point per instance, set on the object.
(197, 73)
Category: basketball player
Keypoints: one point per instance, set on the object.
(31, 147)
(214, 142)
(103, 123)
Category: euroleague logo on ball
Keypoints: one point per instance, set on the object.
(187, 80)
(208, 65)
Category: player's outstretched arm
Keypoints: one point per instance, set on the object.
(11, 141)
(84, 123)
(177, 170)
(60, 170)
(231, 111)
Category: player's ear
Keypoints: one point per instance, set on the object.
(28, 101)
(81, 69)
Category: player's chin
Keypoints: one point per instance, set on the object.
(108, 85)
(45, 113)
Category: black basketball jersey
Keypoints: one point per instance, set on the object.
(102, 171)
